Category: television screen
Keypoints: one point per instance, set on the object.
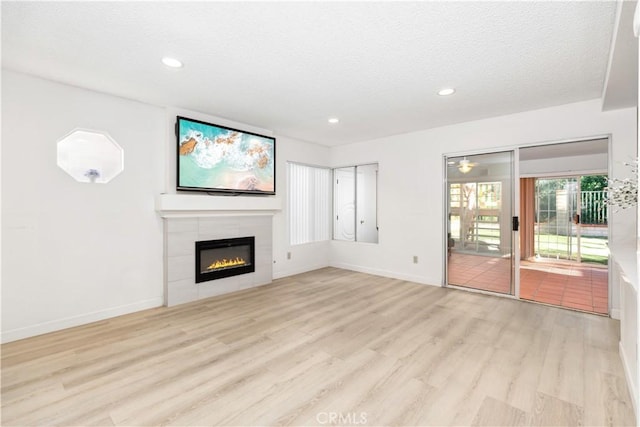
(216, 158)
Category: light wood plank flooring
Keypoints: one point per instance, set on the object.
(324, 348)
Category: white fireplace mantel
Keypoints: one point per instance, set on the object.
(201, 205)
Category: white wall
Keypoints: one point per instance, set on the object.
(305, 257)
(73, 252)
(629, 316)
(76, 253)
(636, 324)
(411, 184)
(624, 272)
(409, 209)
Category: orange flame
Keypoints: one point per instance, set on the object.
(224, 263)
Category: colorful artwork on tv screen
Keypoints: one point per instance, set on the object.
(217, 158)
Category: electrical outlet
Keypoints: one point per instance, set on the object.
(415, 259)
(288, 255)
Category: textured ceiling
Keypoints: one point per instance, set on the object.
(288, 66)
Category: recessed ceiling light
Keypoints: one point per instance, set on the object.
(171, 62)
(333, 120)
(446, 91)
(451, 163)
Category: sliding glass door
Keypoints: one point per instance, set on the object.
(571, 219)
(480, 212)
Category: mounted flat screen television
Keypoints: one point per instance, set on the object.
(216, 158)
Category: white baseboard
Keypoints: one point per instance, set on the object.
(387, 273)
(299, 270)
(82, 319)
(630, 384)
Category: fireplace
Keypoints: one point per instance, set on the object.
(216, 259)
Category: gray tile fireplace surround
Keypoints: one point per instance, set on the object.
(180, 235)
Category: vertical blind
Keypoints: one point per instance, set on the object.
(309, 203)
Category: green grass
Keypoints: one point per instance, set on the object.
(594, 249)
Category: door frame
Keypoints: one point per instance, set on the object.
(515, 212)
(516, 148)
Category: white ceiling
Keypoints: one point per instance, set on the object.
(288, 66)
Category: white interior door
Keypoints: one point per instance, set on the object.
(366, 193)
(344, 221)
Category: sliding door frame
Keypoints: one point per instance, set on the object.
(516, 211)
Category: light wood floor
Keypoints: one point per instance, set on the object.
(325, 347)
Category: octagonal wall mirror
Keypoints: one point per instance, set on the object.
(90, 156)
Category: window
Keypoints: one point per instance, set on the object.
(355, 203)
(309, 203)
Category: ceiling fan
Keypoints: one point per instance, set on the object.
(465, 165)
